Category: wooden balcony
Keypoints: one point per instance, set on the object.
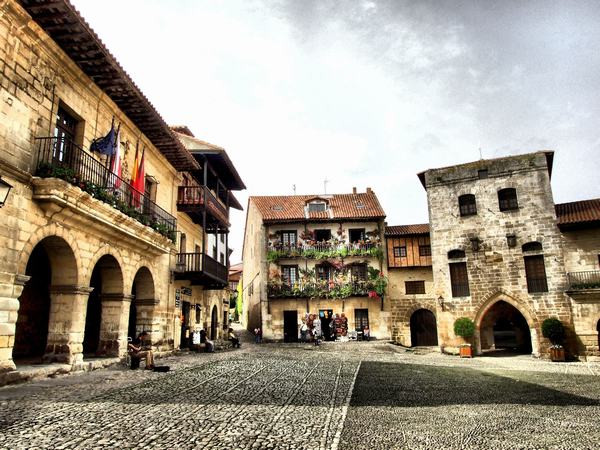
(191, 200)
(202, 270)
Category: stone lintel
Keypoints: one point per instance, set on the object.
(116, 297)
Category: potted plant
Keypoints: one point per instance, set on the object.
(465, 328)
(553, 329)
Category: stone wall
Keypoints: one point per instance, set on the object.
(496, 271)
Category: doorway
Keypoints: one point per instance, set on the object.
(290, 326)
(423, 329)
(214, 319)
(504, 329)
(185, 326)
(326, 316)
(93, 316)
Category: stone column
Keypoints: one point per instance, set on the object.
(11, 286)
(66, 326)
(114, 324)
(147, 319)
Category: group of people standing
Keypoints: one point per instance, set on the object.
(318, 326)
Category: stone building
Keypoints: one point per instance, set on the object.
(87, 259)
(502, 254)
(314, 254)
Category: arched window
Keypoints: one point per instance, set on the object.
(456, 254)
(532, 247)
(507, 199)
(467, 205)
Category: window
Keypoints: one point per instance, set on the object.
(357, 234)
(536, 273)
(289, 274)
(222, 238)
(414, 287)
(182, 243)
(459, 279)
(456, 254)
(317, 207)
(198, 313)
(322, 235)
(399, 252)
(214, 251)
(222, 258)
(358, 272)
(467, 205)
(424, 250)
(482, 174)
(507, 199)
(288, 238)
(64, 132)
(361, 319)
(323, 273)
(532, 247)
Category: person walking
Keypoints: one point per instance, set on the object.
(257, 335)
(304, 332)
(317, 331)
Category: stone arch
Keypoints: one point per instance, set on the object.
(142, 308)
(100, 253)
(490, 299)
(103, 319)
(69, 274)
(51, 265)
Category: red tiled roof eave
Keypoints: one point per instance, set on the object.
(405, 230)
(583, 212)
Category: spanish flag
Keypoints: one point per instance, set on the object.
(138, 178)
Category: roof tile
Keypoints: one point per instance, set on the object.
(581, 212)
(403, 230)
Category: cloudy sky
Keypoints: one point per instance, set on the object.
(368, 93)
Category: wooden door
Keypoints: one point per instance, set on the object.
(290, 326)
(423, 329)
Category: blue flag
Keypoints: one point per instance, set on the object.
(106, 144)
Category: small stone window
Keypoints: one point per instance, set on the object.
(414, 287)
(467, 205)
(482, 174)
(507, 199)
(456, 254)
(532, 247)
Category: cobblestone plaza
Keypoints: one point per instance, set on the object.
(357, 395)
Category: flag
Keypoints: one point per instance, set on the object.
(138, 178)
(105, 145)
(115, 164)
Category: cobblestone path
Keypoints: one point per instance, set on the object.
(300, 397)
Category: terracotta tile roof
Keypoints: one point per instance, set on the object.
(403, 230)
(578, 213)
(283, 208)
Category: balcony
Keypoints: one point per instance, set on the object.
(579, 281)
(190, 199)
(201, 269)
(61, 158)
(324, 250)
(321, 289)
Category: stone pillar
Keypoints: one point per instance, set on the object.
(114, 324)
(11, 286)
(66, 326)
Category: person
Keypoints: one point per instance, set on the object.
(366, 333)
(317, 329)
(233, 338)
(137, 351)
(303, 332)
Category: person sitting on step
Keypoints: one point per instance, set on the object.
(234, 339)
(139, 348)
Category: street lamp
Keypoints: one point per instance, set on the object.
(4, 190)
(441, 302)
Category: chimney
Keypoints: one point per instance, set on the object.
(354, 190)
(369, 191)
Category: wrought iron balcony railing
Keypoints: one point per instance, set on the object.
(320, 289)
(589, 279)
(62, 158)
(320, 250)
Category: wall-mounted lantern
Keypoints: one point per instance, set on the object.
(511, 240)
(441, 302)
(4, 191)
(475, 244)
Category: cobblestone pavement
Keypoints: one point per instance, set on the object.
(356, 395)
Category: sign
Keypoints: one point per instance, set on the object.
(177, 298)
(186, 291)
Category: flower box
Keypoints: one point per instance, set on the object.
(466, 351)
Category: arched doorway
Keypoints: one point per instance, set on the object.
(52, 262)
(504, 328)
(598, 330)
(423, 329)
(107, 282)
(214, 318)
(142, 303)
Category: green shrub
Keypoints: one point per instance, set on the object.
(553, 329)
(464, 327)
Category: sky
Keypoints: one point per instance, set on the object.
(368, 93)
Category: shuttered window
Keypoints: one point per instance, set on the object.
(289, 274)
(467, 205)
(535, 271)
(459, 279)
(414, 287)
